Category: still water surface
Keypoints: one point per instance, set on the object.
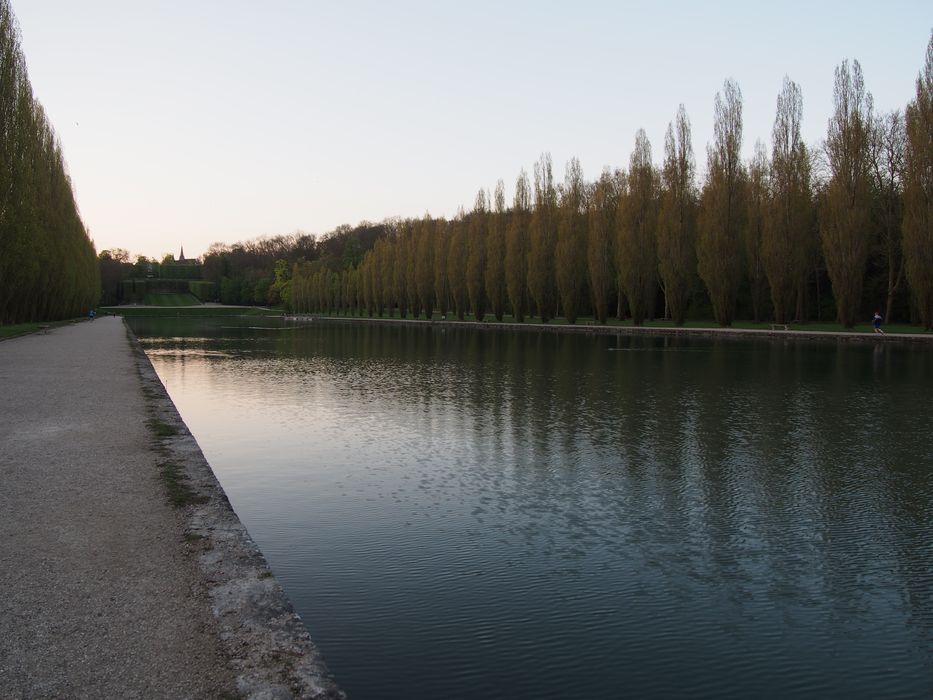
(468, 514)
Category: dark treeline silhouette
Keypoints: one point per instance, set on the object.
(258, 271)
(767, 239)
(48, 267)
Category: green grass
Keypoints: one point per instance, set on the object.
(179, 493)
(162, 299)
(186, 311)
(161, 429)
(15, 329)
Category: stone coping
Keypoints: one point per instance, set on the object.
(266, 641)
(744, 333)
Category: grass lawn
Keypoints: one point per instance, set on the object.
(171, 300)
(188, 311)
(15, 329)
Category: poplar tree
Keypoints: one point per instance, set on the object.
(789, 245)
(845, 208)
(517, 248)
(406, 251)
(441, 248)
(887, 142)
(395, 272)
(677, 218)
(637, 219)
(758, 201)
(424, 266)
(495, 254)
(918, 193)
(456, 265)
(366, 286)
(723, 212)
(476, 257)
(571, 243)
(599, 240)
(48, 267)
(543, 240)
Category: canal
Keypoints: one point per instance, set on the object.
(477, 514)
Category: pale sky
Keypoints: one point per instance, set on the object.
(186, 122)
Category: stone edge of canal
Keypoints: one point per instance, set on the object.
(650, 331)
(265, 640)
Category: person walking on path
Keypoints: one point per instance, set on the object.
(876, 322)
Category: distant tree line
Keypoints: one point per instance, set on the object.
(790, 235)
(48, 266)
(259, 271)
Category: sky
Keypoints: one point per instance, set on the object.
(189, 122)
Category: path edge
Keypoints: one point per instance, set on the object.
(265, 640)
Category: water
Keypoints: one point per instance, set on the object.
(464, 514)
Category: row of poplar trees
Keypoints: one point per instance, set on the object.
(635, 241)
(48, 266)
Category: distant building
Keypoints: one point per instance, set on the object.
(181, 256)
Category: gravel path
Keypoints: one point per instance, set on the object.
(99, 596)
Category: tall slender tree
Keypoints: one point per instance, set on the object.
(886, 147)
(723, 211)
(758, 200)
(48, 267)
(846, 203)
(495, 254)
(441, 248)
(543, 240)
(456, 265)
(571, 243)
(517, 248)
(789, 245)
(677, 218)
(424, 265)
(476, 256)
(599, 240)
(918, 193)
(636, 222)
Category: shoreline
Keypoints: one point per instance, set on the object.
(589, 329)
(268, 646)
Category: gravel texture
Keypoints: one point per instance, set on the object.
(107, 590)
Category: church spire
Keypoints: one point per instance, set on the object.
(181, 255)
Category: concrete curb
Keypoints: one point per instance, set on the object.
(266, 642)
(735, 333)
